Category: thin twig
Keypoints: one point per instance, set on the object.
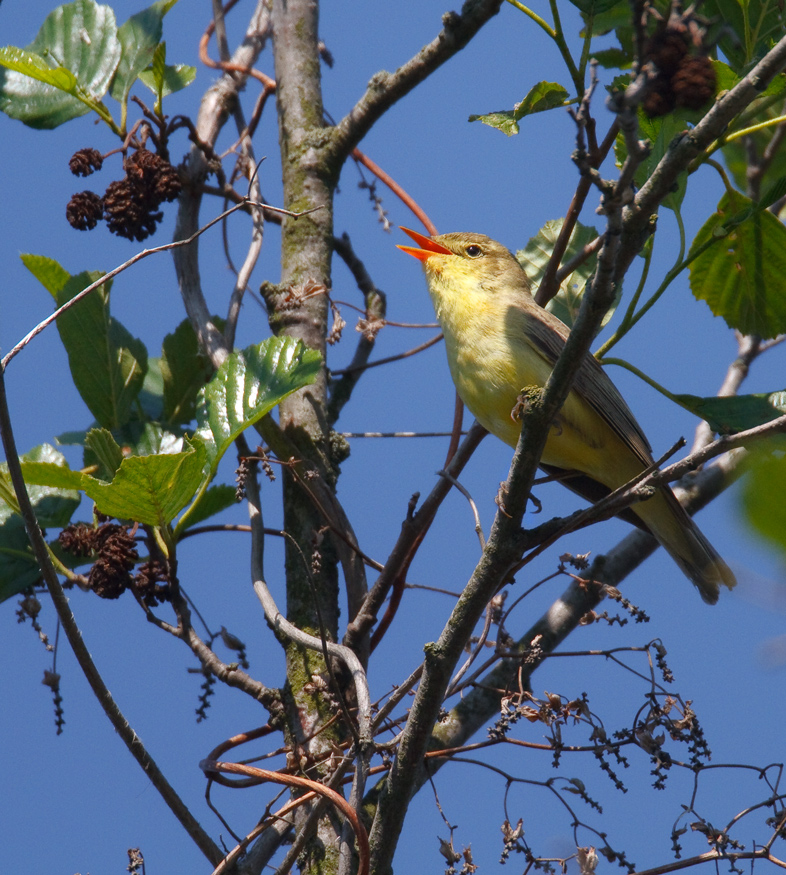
(165, 247)
(82, 654)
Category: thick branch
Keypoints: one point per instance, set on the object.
(385, 89)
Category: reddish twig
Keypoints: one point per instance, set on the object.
(227, 66)
(213, 768)
(397, 190)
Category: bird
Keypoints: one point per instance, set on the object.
(499, 342)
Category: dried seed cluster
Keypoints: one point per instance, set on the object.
(682, 79)
(113, 548)
(130, 206)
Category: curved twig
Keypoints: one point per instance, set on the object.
(261, 776)
(281, 625)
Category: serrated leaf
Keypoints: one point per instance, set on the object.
(762, 496)
(541, 97)
(215, 499)
(742, 275)
(184, 371)
(149, 489)
(51, 486)
(736, 413)
(247, 386)
(139, 38)
(78, 46)
(107, 363)
(536, 254)
(173, 78)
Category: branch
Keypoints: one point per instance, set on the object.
(385, 89)
(565, 614)
(282, 626)
(214, 111)
(375, 306)
(259, 776)
(636, 221)
(74, 635)
(413, 530)
(505, 544)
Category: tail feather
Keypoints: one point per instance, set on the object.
(682, 539)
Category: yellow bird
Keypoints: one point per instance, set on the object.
(499, 342)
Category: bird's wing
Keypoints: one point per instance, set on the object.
(548, 336)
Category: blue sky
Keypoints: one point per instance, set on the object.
(76, 802)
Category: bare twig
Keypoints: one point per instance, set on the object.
(74, 635)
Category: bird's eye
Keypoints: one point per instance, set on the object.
(474, 251)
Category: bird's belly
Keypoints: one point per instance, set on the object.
(579, 440)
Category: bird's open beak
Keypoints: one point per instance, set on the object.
(427, 247)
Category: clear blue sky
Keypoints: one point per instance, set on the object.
(76, 802)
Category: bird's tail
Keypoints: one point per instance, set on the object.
(682, 539)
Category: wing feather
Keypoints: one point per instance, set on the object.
(591, 383)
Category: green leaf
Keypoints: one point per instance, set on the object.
(762, 496)
(535, 256)
(749, 28)
(184, 371)
(737, 413)
(742, 272)
(71, 438)
(173, 78)
(149, 489)
(107, 363)
(736, 154)
(102, 449)
(660, 132)
(541, 97)
(139, 38)
(65, 71)
(593, 7)
(50, 474)
(614, 59)
(504, 120)
(158, 68)
(47, 271)
(615, 17)
(149, 439)
(215, 499)
(151, 395)
(247, 386)
(51, 486)
(18, 566)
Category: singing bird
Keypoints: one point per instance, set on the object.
(499, 342)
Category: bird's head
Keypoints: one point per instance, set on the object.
(467, 261)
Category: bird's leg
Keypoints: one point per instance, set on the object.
(500, 500)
